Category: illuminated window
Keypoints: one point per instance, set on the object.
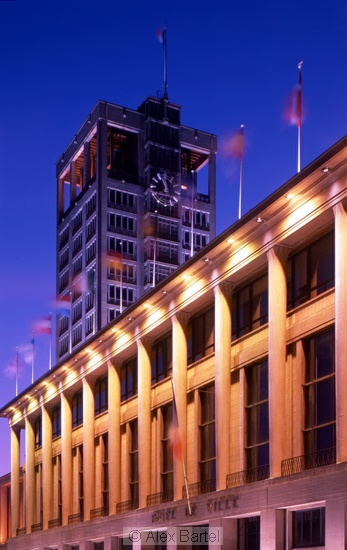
(129, 379)
(207, 462)
(309, 528)
(100, 396)
(201, 336)
(257, 417)
(250, 307)
(319, 391)
(311, 271)
(104, 481)
(56, 421)
(38, 432)
(167, 452)
(133, 458)
(77, 409)
(248, 533)
(161, 359)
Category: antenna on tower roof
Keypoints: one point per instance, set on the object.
(161, 33)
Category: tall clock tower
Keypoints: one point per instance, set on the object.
(136, 199)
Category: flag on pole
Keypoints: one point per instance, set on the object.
(63, 305)
(177, 444)
(174, 432)
(233, 146)
(293, 111)
(43, 325)
(160, 34)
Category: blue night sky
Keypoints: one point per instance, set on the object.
(229, 63)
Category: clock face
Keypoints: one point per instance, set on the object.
(165, 188)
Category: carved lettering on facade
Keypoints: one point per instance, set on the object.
(221, 504)
(164, 515)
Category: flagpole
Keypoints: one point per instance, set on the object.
(299, 113)
(183, 462)
(33, 359)
(165, 63)
(192, 219)
(17, 373)
(155, 248)
(299, 148)
(241, 166)
(50, 343)
(121, 280)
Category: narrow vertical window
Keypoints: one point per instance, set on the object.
(100, 396)
(56, 421)
(201, 336)
(167, 454)
(207, 462)
(257, 421)
(319, 391)
(77, 409)
(134, 467)
(309, 528)
(129, 379)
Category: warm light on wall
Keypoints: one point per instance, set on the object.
(301, 212)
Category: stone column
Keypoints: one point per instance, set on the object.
(212, 189)
(341, 330)
(272, 531)
(144, 421)
(277, 354)
(47, 468)
(29, 473)
(88, 447)
(114, 450)
(335, 523)
(73, 193)
(4, 511)
(86, 163)
(222, 313)
(66, 456)
(15, 470)
(179, 376)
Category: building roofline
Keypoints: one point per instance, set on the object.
(324, 160)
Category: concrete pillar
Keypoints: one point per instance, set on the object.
(272, 529)
(114, 449)
(220, 534)
(88, 447)
(15, 470)
(60, 197)
(212, 189)
(86, 164)
(335, 524)
(144, 421)
(29, 473)
(66, 456)
(341, 330)
(73, 181)
(47, 468)
(4, 511)
(222, 312)
(298, 373)
(277, 354)
(179, 376)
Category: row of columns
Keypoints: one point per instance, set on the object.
(276, 360)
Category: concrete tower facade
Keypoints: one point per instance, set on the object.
(136, 199)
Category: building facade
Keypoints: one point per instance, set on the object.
(242, 353)
(136, 199)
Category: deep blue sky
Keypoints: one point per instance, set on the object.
(229, 63)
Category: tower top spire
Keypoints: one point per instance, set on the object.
(161, 34)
